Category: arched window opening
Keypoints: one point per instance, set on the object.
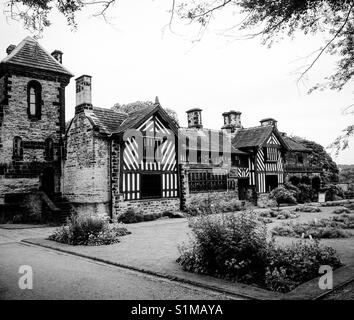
(17, 149)
(34, 100)
(49, 149)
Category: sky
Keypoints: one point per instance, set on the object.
(134, 56)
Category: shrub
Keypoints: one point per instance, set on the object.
(172, 214)
(130, 216)
(350, 206)
(88, 230)
(227, 246)
(296, 264)
(211, 205)
(324, 228)
(282, 195)
(333, 192)
(341, 210)
(308, 209)
(307, 193)
(279, 214)
(236, 247)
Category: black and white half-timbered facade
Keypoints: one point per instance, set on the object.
(118, 160)
(105, 161)
(149, 166)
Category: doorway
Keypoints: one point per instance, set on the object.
(151, 186)
(271, 182)
(243, 186)
(48, 181)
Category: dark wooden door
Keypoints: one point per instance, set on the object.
(271, 182)
(48, 181)
(243, 186)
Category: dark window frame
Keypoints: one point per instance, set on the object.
(17, 149)
(49, 149)
(201, 181)
(150, 187)
(36, 86)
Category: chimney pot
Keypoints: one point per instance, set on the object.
(83, 93)
(195, 118)
(232, 120)
(269, 122)
(10, 48)
(58, 55)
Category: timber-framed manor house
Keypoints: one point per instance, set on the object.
(105, 161)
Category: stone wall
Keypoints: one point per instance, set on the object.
(149, 206)
(86, 168)
(23, 175)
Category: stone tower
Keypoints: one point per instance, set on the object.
(32, 120)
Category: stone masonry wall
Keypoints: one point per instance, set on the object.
(149, 206)
(86, 168)
(24, 175)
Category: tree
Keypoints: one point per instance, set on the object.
(320, 158)
(271, 20)
(139, 105)
(34, 13)
(346, 174)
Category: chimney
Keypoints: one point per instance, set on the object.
(58, 55)
(10, 48)
(83, 94)
(194, 117)
(232, 121)
(269, 122)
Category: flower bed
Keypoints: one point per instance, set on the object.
(237, 248)
(89, 231)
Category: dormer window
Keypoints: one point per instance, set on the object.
(34, 100)
(17, 149)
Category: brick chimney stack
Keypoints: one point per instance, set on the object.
(232, 121)
(269, 122)
(10, 48)
(194, 117)
(83, 93)
(58, 55)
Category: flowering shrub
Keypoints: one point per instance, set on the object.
(213, 204)
(89, 231)
(324, 228)
(294, 264)
(282, 195)
(237, 248)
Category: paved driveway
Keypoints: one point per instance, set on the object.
(62, 276)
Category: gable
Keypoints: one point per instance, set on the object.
(273, 140)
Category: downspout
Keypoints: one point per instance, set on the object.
(110, 177)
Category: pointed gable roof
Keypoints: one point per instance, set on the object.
(294, 145)
(255, 137)
(109, 121)
(29, 53)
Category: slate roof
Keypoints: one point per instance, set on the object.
(107, 120)
(192, 134)
(110, 121)
(30, 53)
(294, 145)
(251, 137)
